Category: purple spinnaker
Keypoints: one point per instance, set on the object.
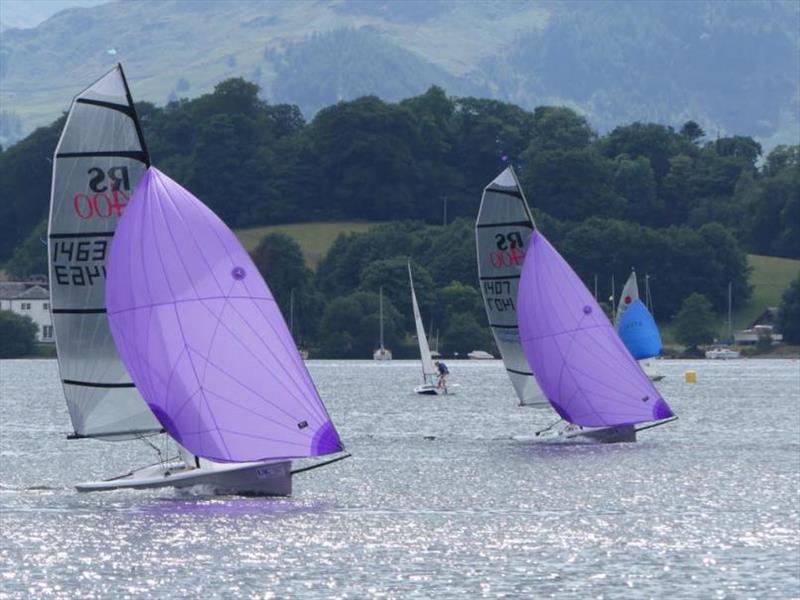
(202, 336)
(578, 359)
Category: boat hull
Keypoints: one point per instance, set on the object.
(430, 389)
(250, 479)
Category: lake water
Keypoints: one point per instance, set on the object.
(438, 500)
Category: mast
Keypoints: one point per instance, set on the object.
(595, 286)
(730, 312)
(647, 300)
(380, 309)
(291, 311)
(613, 296)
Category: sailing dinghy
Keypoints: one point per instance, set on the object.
(211, 361)
(381, 353)
(429, 370)
(637, 328)
(502, 235)
(581, 364)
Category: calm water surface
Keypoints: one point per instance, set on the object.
(438, 500)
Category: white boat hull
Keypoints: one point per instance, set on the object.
(252, 479)
(382, 354)
(430, 389)
(602, 435)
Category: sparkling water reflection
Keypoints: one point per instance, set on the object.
(437, 501)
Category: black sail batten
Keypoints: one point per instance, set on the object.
(123, 108)
(527, 224)
(515, 193)
(134, 154)
(86, 234)
(498, 277)
(519, 372)
(134, 433)
(98, 384)
(134, 116)
(78, 311)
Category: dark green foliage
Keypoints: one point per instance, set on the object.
(30, 257)
(350, 326)
(464, 334)
(17, 335)
(695, 322)
(281, 263)
(789, 314)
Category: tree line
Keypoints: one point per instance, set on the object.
(674, 204)
(258, 163)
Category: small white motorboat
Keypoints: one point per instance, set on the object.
(480, 355)
(722, 354)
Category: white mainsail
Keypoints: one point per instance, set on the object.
(428, 368)
(100, 158)
(502, 233)
(630, 292)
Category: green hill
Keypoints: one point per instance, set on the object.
(770, 278)
(613, 61)
(314, 238)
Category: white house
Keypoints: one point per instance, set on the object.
(30, 299)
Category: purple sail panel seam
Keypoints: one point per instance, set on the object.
(200, 251)
(312, 406)
(261, 437)
(625, 379)
(302, 400)
(252, 391)
(205, 216)
(254, 412)
(177, 302)
(180, 327)
(258, 358)
(218, 319)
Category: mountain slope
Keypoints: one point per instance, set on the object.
(732, 67)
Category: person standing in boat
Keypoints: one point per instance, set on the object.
(443, 373)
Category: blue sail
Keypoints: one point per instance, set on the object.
(639, 331)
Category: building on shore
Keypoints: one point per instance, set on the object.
(29, 299)
(764, 326)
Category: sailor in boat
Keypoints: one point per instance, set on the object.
(443, 373)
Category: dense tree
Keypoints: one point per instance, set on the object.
(280, 261)
(350, 326)
(17, 335)
(30, 257)
(789, 313)
(695, 322)
(464, 334)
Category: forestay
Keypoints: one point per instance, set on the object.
(203, 337)
(581, 364)
(502, 235)
(98, 161)
(428, 368)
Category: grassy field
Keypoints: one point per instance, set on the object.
(770, 278)
(314, 238)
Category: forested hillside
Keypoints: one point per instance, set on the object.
(676, 204)
(730, 66)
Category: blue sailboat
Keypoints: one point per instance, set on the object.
(637, 328)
